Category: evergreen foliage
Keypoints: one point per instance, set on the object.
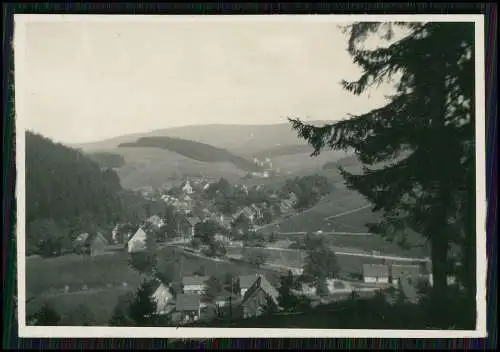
(67, 193)
(424, 136)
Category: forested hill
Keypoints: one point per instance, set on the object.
(66, 192)
(194, 150)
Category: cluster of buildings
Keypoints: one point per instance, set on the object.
(188, 302)
(190, 198)
(266, 166)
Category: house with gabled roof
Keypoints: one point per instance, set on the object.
(194, 284)
(91, 244)
(188, 307)
(376, 273)
(137, 243)
(80, 240)
(258, 297)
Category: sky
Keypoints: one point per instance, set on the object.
(88, 81)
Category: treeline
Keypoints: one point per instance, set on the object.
(194, 150)
(107, 160)
(66, 194)
(307, 189)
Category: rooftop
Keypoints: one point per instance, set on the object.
(375, 270)
(187, 302)
(246, 281)
(194, 280)
(263, 284)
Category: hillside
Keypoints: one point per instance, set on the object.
(154, 167)
(214, 151)
(283, 150)
(239, 139)
(107, 160)
(65, 193)
(191, 149)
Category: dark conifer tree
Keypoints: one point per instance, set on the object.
(418, 149)
(143, 307)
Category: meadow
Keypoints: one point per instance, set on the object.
(98, 282)
(99, 303)
(349, 265)
(333, 214)
(191, 264)
(51, 275)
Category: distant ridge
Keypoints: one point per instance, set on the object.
(239, 139)
(212, 150)
(191, 149)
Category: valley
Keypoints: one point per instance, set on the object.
(181, 173)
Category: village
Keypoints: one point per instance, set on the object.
(235, 238)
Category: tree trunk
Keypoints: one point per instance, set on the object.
(439, 256)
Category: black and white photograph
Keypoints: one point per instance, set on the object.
(250, 176)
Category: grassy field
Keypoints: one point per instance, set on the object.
(337, 202)
(369, 243)
(104, 277)
(348, 264)
(190, 264)
(333, 214)
(50, 275)
(100, 304)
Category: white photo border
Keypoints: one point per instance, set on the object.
(21, 81)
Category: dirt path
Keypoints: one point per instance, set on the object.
(348, 212)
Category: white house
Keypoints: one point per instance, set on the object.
(375, 273)
(194, 284)
(187, 188)
(163, 299)
(138, 242)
